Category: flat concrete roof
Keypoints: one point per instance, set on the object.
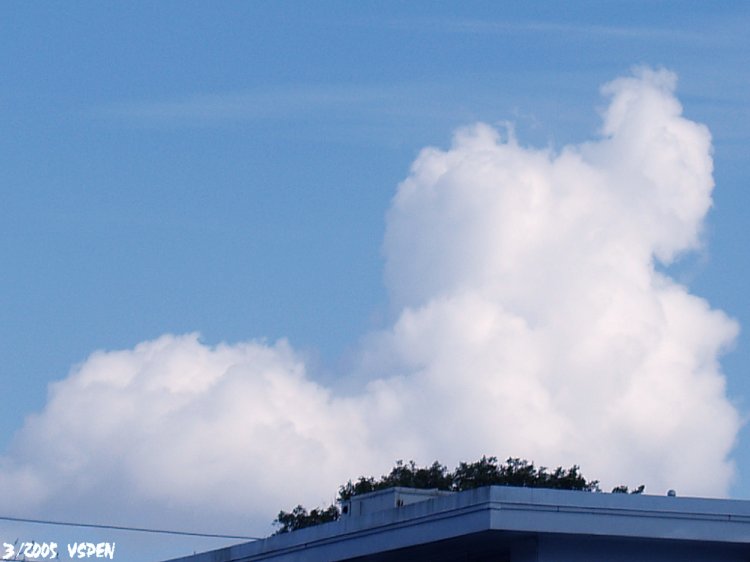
(503, 512)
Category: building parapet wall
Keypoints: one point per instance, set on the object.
(502, 512)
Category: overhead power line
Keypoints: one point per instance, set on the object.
(123, 528)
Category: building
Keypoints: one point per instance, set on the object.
(503, 524)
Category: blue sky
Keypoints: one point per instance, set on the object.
(180, 167)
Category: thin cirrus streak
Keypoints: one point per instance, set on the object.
(476, 26)
(289, 102)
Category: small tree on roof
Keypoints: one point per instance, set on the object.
(484, 472)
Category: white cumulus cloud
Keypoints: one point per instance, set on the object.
(532, 321)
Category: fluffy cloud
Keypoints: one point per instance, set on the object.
(533, 309)
(532, 322)
(190, 428)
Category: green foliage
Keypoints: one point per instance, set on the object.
(624, 489)
(520, 472)
(299, 518)
(484, 472)
(406, 475)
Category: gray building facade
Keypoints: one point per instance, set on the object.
(503, 524)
